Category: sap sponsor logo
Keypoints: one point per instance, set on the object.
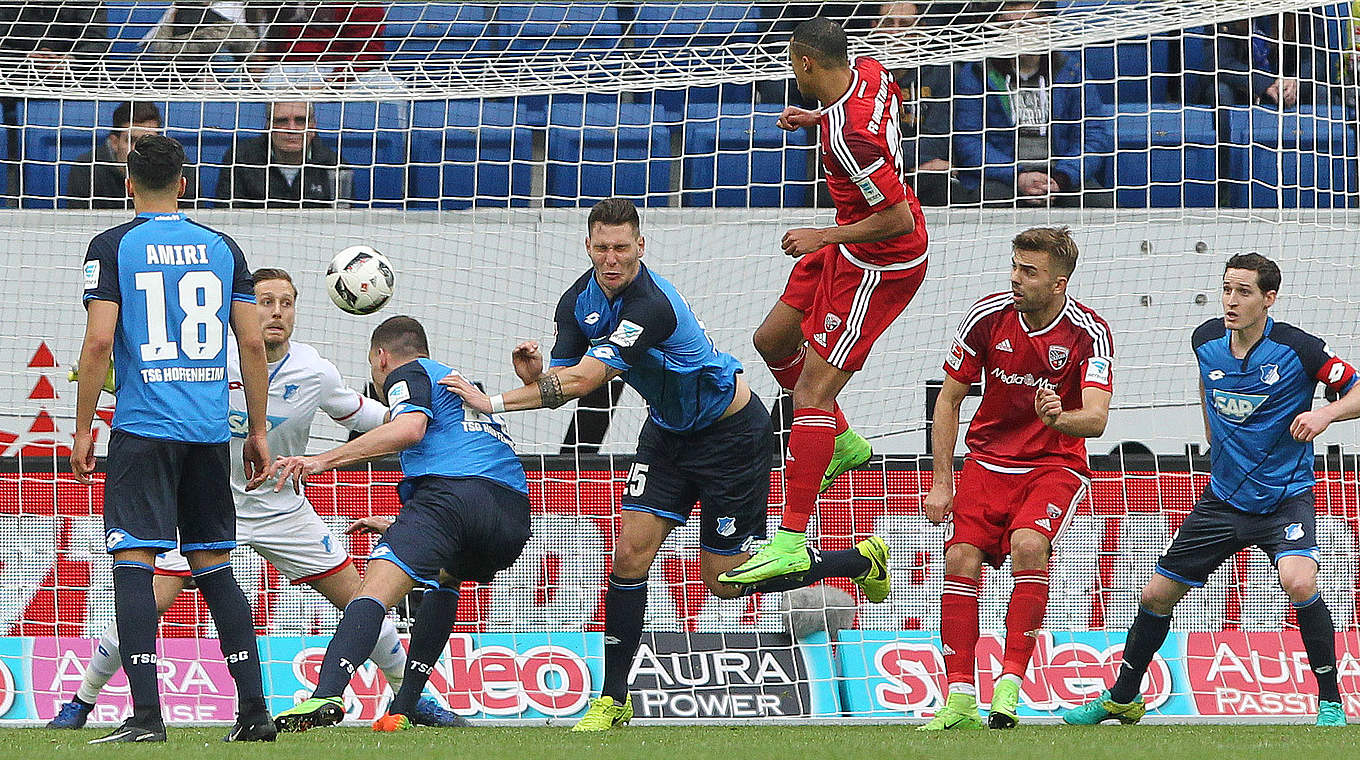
(239, 424)
(1011, 378)
(626, 334)
(1236, 407)
(1057, 356)
(955, 357)
(1270, 374)
(1073, 673)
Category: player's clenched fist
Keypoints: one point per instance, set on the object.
(939, 503)
(794, 118)
(802, 241)
(1310, 424)
(1048, 405)
(527, 359)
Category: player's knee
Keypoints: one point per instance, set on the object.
(773, 346)
(964, 560)
(632, 559)
(1029, 551)
(1299, 585)
(1157, 600)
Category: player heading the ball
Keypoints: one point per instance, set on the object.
(1257, 379)
(707, 438)
(1046, 362)
(851, 280)
(161, 290)
(464, 516)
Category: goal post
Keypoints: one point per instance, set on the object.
(468, 147)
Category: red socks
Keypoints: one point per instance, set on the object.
(812, 441)
(1024, 618)
(787, 372)
(959, 629)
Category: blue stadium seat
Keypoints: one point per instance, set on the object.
(467, 153)
(598, 147)
(1165, 159)
(129, 23)
(1302, 159)
(736, 156)
(371, 137)
(439, 31)
(531, 27)
(55, 134)
(683, 24)
(207, 131)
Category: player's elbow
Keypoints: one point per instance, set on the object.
(97, 345)
(1096, 426)
(900, 219)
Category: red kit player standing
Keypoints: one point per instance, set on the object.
(851, 280)
(1047, 361)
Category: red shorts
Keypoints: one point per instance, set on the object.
(846, 307)
(990, 505)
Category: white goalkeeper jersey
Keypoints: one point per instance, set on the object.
(299, 384)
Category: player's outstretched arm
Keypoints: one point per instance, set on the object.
(101, 321)
(891, 222)
(1088, 421)
(403, 432)
(1312, 423)
(245, 323)
(944, 435)
(550, 391)
(794, 118)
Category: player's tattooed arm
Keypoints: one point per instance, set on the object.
(550, 391)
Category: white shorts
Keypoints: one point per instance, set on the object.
(297, 543)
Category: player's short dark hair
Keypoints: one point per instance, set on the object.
(135, 112)
(821, 38)
(1267, 271)
(1056, 241)
(264, 274)
(401, 335)
(612, 212)
(156, 162)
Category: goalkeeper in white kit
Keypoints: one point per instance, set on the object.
(281, 527)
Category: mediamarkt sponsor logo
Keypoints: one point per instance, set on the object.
(1060, 676)
(1010, 378)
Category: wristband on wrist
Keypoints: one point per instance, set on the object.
(497, 403)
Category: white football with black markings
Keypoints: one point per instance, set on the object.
(360, 279)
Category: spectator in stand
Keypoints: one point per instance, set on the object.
(926, 110)
(328, 43)
(99, 178)
(196, 34)
(289, 167)
(52, 31)
(1251, 65)
(1027, 131)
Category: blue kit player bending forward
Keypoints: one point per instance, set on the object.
(161, 289)
(1257, 378)
(707, 439)
(464, 516)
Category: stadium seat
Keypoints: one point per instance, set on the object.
(207, 131)
(671, 25)
(467, 153)
(1298, 159)
(736, 156)
(372, 142)
(599, 147)
(438, 31)
(55, 134)
(129, 23)
(1165, 159)
(531, 27)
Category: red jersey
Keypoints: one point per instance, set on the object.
(862, 156)
(1072, 353)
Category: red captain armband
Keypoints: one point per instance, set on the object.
(1335, 373)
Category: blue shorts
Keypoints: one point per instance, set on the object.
(167, 494)
(471, 528)
(725, 467)
(1215, 530)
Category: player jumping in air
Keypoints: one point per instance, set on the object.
(1046, 362)
(282, 527)
(1257, 378)
(706, 438)
(160, 289)
(464, 516)
(851, 280)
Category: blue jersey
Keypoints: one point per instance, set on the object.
(1251, 402)
(174, 281)
(458, 442)
(650, 334)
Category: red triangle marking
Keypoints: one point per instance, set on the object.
(43, 357)
(43, 389)
(43, 423)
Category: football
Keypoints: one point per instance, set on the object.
(359, 280)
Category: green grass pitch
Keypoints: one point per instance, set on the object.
(825, 742)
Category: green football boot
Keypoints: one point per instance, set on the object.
(311, 713)
(1005, 702)
(785, 554)
(1102, 708)
(959, 713)
(875, 582)
(1331, 714)
(851, 451)
(605, 714)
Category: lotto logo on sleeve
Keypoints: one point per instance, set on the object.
(398, 393)
(1098, 370)
(626, 334)
(91, 274)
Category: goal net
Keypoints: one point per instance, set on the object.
(467, 141)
